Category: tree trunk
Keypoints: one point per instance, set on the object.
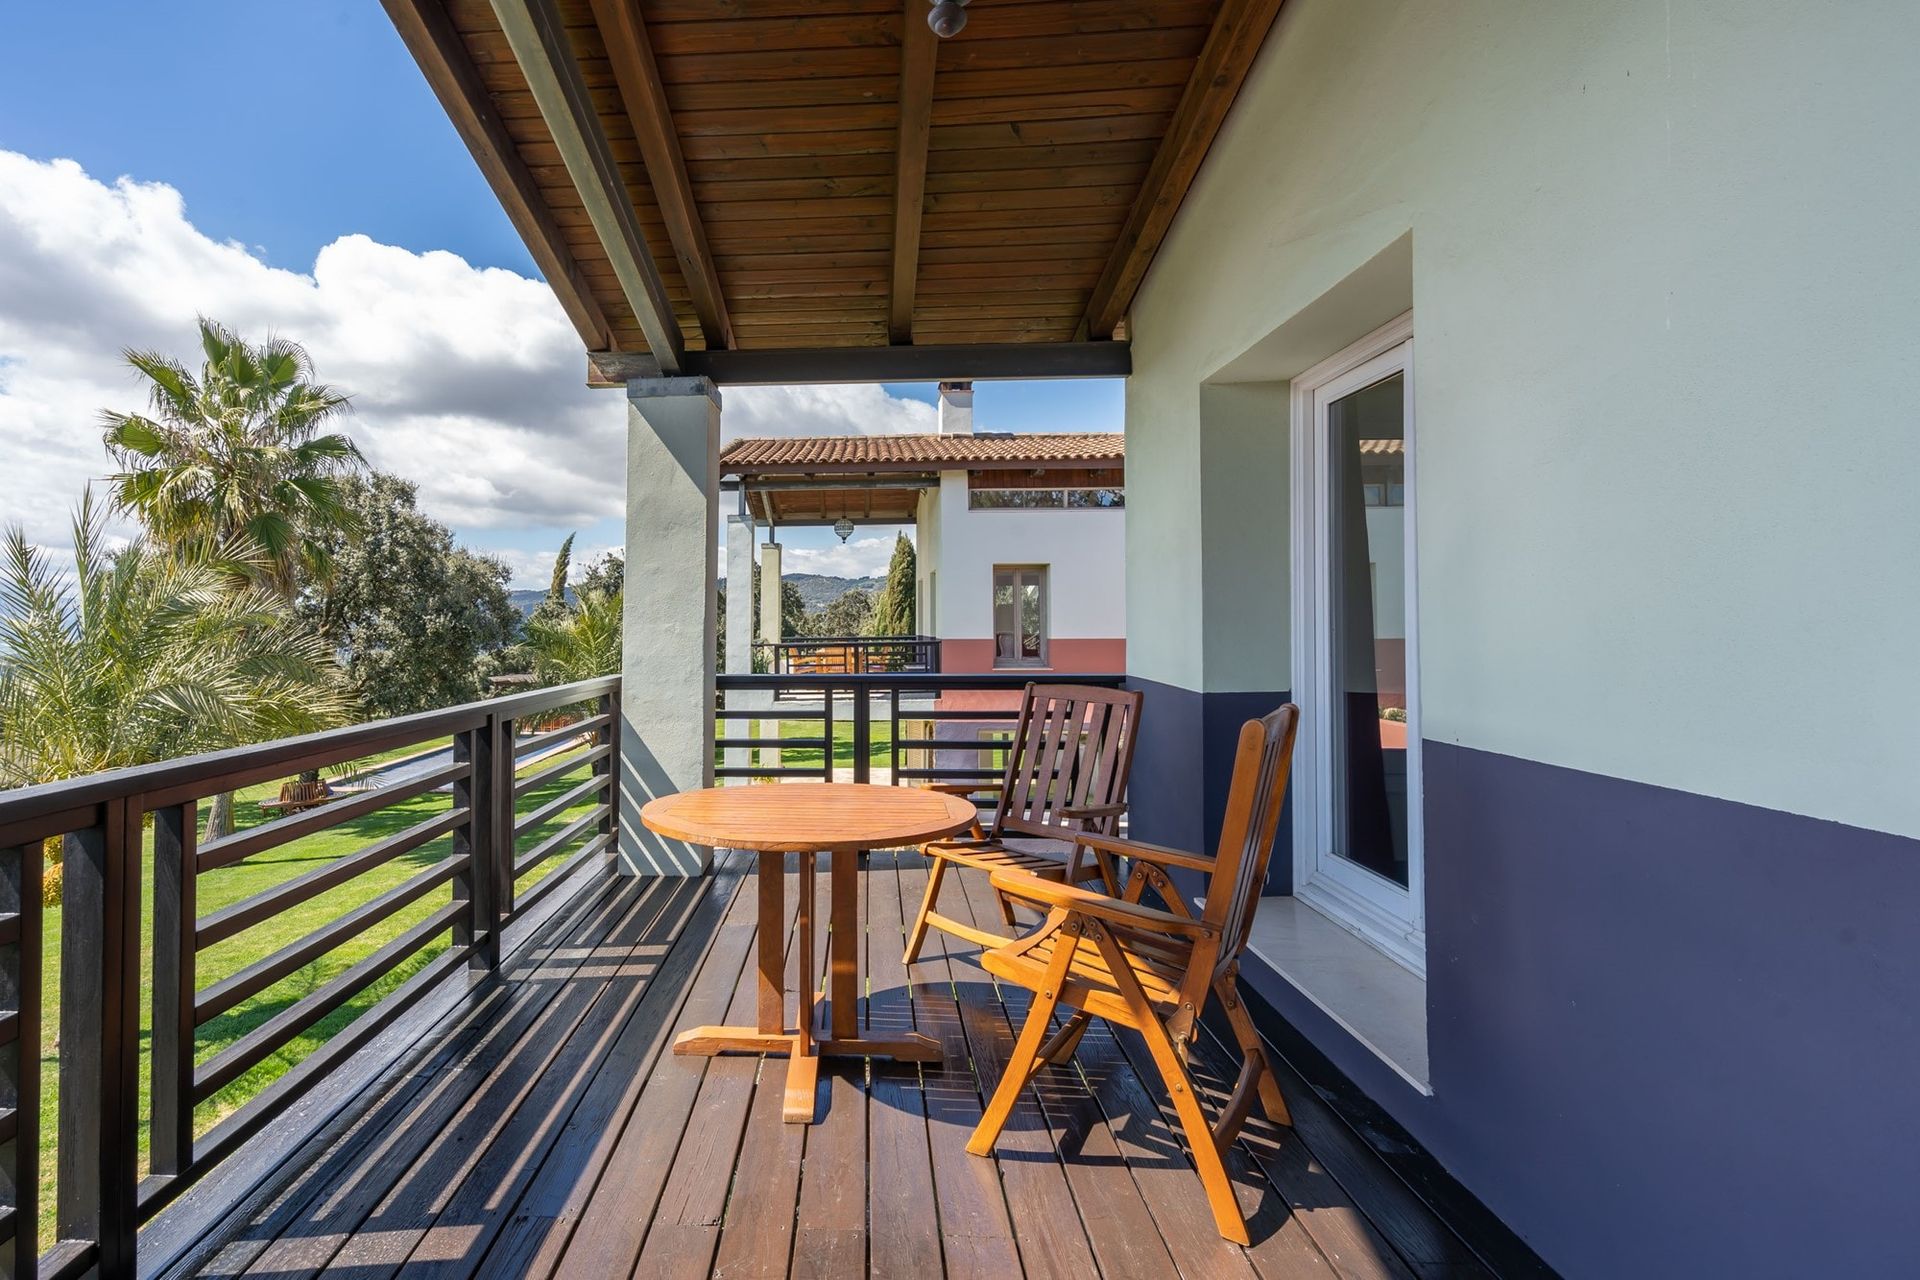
(220, 816)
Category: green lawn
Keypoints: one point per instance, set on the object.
(228, 885)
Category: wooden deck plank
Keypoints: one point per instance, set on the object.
(530, 1241)
(830, 1233)
(404, 1216)
(900, 1196)
(608, 1230)
(550, 1130)
(976, 1233)
(332, 1157)
(692, 1207)
(324, 1212)
(473, 1216)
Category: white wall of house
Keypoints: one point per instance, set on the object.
(1665, 285)
(1083, 549)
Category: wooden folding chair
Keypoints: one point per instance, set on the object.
(1066, 776)
(1152, 970)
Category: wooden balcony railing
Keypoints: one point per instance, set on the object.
(933, 728)
(102, 1194)
(851, 655)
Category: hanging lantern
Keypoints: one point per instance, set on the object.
(948, 17)
(843, 527)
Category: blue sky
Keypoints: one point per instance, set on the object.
(284, 129)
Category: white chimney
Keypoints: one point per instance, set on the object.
(956, 408)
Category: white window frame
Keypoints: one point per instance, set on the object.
(1045, 578)
(1374, 908)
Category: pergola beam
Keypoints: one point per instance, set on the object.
(540, 45)
(919, 50)
(638, 75)
(977, 362)
(430, 37)
(1238, 33)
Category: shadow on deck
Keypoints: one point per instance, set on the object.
(545, 1128)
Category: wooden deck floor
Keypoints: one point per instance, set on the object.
(546, 1130)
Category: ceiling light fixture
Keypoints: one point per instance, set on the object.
(843, 527)
(948, 17)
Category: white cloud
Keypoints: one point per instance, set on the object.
(855, 558)
(468, 381)
(533, 570)
(864, 410)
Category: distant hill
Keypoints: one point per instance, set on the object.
(818, 590)
(527, 601)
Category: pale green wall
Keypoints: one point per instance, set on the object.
(1667, 289)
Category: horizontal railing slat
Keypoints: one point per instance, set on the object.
(196, 777)
(228, 850)
(221, 1141)
(69, 1260)
(272, 1035)
(257, 977)
(533, 742)
(246, 913)
(794, 743)
(563, 802)
(559, 839)
(540, 777)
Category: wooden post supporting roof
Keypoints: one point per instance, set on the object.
(919, 49)
(437, 47)
(638, 76)
(1238, 32)
(539, 42)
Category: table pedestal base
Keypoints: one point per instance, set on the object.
(804, 1051)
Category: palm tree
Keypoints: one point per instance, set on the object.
(580, 644)
(141, 655)
(239, 452)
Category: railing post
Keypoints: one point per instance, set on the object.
(176, 853)
(862, 735)
(603, 768)
(506, 845)
(20, 1057)
(476, 839)
(99, 1037)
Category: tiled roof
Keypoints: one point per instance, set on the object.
(997, 449)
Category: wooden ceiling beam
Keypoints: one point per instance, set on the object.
(1238, 32)
(540, 45)
(919, 50)
(430, 37)
(930, 362)
(638, 75)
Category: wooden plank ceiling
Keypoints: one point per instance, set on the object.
(813, 174)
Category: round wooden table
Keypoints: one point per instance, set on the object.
(842, 820)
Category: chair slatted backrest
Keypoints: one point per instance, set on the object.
(1256, 795)
(1072, 748)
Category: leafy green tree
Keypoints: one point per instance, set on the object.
(607, 575)
(850, 615)
(143, 655)
(579, 645)
(893, 612)
(795, 620)
(241, 451)
(555, 606)
(409, 613)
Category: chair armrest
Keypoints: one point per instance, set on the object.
(1154, 853)
(1086, 811)
(1049, 893)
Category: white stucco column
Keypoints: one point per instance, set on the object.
(739, 655)
(666, 725)
(770, 593)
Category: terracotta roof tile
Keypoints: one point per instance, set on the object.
(924, 450)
